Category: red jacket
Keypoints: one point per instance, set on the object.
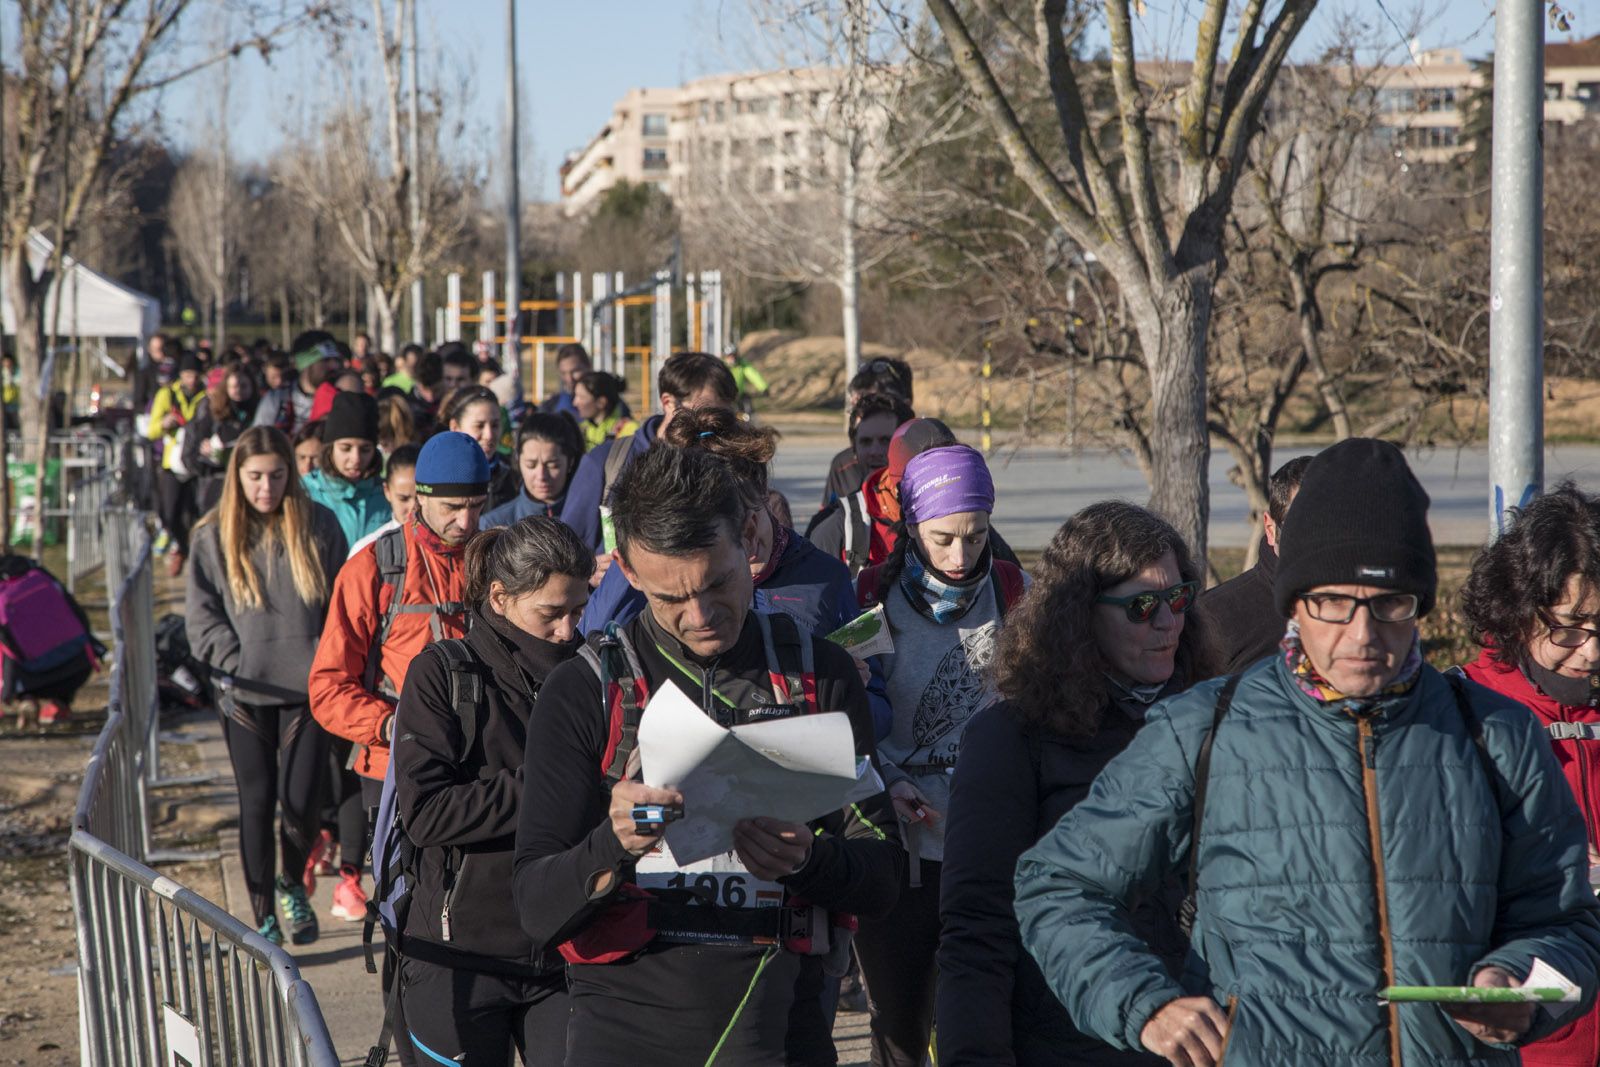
(340, 700)
(1578, 1043)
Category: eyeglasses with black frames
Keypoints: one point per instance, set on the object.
(1340, 609)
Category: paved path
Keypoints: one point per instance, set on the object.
(1039, 487)
(335, 964)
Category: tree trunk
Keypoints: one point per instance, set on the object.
(1172, 334)
(382, 307)
(27, 296)
(850, 273)
(1309, 320)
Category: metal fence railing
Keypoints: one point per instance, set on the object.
(164, 975)
(85, 469)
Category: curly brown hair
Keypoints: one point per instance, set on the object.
(1524, 574)
(1047, 662)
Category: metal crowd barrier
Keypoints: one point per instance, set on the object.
(164, 976)
(91, 468)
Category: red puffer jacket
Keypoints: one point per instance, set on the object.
(1577, 1044)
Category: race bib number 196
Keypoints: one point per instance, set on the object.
(722, 880)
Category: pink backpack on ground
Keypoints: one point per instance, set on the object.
(42, 632)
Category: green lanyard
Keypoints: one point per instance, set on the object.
(689, 672)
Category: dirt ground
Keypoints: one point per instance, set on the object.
(41, 770)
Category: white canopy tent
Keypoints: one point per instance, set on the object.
(92, 305)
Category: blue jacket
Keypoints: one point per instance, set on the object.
(582, 509)
(516, 509)
(810, 587)
(1301, 919)
(360, 506)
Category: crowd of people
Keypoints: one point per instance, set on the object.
(1107, 816)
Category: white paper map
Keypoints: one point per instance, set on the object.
(794, 769)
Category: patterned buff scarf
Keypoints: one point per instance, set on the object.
(935, 596)
(1320, 689)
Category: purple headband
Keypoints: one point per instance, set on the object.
(945, 481)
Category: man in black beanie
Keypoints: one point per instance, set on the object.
(1347, 818)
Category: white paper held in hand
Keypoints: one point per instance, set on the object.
(795, 769)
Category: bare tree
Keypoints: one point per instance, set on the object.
(84, 66)
(204, 217)
(354, 172)
(1151, 202)
(798, 189)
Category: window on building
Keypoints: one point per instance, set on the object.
(1440, 99)
(720, 111)
(705, 110)
(791, 105)
(741, 106)
(758, 106)
(1393, 100)
(819, 143)
(791, 143)
(761, 180)
(655, 159)
(655, 125)
(1588, 92)
(816, 101)
(764, 146)
(791, 179)
(1552, 90)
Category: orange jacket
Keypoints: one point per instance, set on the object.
(340, 699)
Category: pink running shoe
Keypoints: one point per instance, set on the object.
(53, 711)
(315, 862)
(349, 902)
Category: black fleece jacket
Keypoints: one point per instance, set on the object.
(1241, 616)
(670, 1003)
(460, 808)
(1012, 784)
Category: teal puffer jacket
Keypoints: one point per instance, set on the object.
(1298, 928)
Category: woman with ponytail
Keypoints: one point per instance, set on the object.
(264, 561)
(473, 985)
(791, 575)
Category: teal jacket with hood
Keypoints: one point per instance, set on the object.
(1339, 854)
(360, 506)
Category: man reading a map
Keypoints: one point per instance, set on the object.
(670, 964)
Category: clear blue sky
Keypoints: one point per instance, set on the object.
(578, 56)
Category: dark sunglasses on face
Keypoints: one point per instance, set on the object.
(1340, 609)
(1142, 606)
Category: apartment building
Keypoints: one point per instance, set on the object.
(763, 132)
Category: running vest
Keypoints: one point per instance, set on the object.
(714, 901)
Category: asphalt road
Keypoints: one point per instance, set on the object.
(1039, 487)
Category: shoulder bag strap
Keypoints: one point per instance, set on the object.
(1202, 774)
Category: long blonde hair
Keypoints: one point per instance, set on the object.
(240, 527)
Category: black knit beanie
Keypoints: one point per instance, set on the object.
(352, 415)
(1360, 518)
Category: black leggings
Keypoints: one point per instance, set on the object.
(178, 510)
(480, 1018)
(897, 953)
(278, 756)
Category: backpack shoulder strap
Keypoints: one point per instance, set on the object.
(1202, 774)
(857, 532)
(623, 693)
(1008, 585)
(791, 660)
(466, 688)
(615, 460)
(390, 551)
(1458, 687)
